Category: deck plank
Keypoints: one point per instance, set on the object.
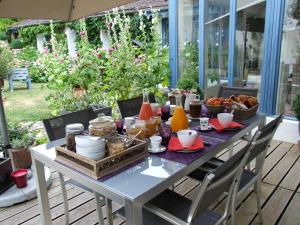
(280, 195)
(34, 211)
(292, 215)
(16, 209)
(282, 168)
(275, 206)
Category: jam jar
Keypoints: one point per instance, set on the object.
(71, 131)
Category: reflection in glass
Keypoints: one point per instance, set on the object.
(188, 28)
(216, 51)
(249, 44)
(289, 79)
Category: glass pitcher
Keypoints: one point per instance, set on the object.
(146, 111)
(179, 120)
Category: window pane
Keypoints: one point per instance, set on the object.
(289, 79)
(188, 28)
(216, 51)
(249, 44)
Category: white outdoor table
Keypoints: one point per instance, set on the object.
(132, 187)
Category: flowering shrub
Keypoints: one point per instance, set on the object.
(6, 57)
(104, 77)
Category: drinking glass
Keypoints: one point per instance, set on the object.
(165, 133)
(119, 125)
(165, 112)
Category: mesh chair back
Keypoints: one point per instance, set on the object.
(132, 106)
(55, 126)
(221, 180)
(225, 177)
(264, 138)
(226, 92)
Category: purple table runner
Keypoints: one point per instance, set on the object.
(187, 158)
(213, 133)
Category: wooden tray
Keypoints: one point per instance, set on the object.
(102, 167)
(245, 114)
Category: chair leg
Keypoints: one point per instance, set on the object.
(258, 196)
(99, 209)
(29, 85)
(109, 211)
(65, 199)
(11, 85)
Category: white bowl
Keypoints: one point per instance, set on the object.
(187, 137)
(89, 141)
(93, 149)
(95, 156)
(154, 107)
(225, 119)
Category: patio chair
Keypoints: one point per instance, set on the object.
(55, 126)
(171, 208)
(19, 74)
(261, 141)
(226, 92)
(132, 106)
(55, 129)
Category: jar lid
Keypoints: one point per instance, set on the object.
(102, 121)
(195, 101)
(74, 127)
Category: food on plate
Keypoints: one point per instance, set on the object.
(242, 102)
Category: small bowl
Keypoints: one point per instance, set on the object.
(225, 119)
(215, 109)
(187, 137)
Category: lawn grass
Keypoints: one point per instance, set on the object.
(23, 105)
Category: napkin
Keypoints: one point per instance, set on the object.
(174, 144)
(214, 122)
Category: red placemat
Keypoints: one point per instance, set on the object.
(214, 122)
(174, 144)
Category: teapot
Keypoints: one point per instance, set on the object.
(188, 100)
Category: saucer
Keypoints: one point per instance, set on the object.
(209, 128)
(162, 149)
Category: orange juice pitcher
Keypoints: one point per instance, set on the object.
(146, 111)
(179, 120)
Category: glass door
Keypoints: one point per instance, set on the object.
(249, 43)
(289, 78)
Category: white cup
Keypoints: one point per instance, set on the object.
(155, 143)
(204, 123)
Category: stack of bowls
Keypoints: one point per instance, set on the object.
(90, 147)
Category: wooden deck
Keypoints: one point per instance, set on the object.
(280, 195)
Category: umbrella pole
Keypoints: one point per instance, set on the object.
(3, 127)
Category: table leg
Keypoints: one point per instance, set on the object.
(42, 192)
(109, 211)
(133, 213)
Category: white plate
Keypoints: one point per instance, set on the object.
(162, 149)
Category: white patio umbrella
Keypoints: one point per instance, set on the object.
(55, 9)
(64, 10)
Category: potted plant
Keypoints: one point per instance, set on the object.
(6, 57)
(20, 140)
(296, 108)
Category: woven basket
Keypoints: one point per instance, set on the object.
(245, 114)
